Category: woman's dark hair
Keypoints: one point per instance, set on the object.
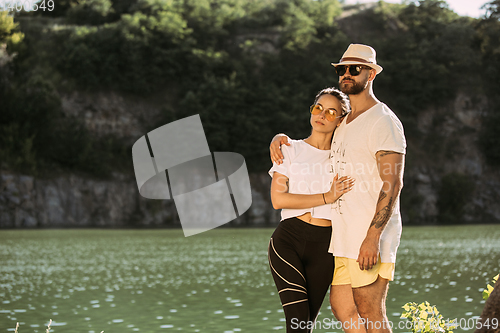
(344, 100)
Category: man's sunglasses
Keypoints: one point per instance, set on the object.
(330, 114)
(354, 70)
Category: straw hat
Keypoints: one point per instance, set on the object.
(359, 54)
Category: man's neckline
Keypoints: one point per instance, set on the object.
(347, 122)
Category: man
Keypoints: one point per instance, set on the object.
(369, 145)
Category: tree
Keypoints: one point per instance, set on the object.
(492, 9)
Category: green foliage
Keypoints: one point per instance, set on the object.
(455, 192)
(136, 54)
(6, 25)
(92, 12)
(8, 31)
(298, 27)
(489, 288)
(425, 318)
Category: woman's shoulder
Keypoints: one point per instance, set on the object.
(295, 147)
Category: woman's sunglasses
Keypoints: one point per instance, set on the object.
(354, 70)
(330, 114)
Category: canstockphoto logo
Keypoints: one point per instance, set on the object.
(182, 168)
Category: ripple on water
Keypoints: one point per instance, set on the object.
(166, 326)
(55, 323)
(231, 317)
(416, 266)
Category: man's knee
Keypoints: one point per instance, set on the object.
(366, 310)
(344, 313)
(343, 310)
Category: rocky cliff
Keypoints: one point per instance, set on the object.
(73, 201)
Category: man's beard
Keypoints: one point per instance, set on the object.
(353, 87)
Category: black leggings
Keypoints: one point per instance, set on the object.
(302, 269)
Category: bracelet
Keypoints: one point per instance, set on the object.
(324, 198)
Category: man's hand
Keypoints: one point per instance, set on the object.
(368, 252)
(275, 148)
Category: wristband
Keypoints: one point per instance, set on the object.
(324, 198)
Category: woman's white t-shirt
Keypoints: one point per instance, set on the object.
(309, 171)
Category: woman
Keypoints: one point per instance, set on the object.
(303, 186)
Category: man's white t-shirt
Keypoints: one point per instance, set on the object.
(354, 147)
(309, 171)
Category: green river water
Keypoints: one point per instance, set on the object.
(219, 281)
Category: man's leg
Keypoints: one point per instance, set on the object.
(344, 308)
(370, 301)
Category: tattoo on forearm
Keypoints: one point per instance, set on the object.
(382, 216)
(381, 196)
(387, 152)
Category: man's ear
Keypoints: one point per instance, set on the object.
(372, 75)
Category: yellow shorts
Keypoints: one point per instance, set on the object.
(347, 271)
